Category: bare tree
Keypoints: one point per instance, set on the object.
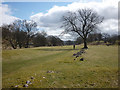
(10, 34)
(82, 22)
(39, 39)
(94, 37)
(29, 27)
(105, 37)
(19, 33)
(13, 34)
(54, 41)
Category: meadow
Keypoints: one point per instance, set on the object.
(55, 67)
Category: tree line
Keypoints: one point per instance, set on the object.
(23, 34)
(83, 22)
(98, 37)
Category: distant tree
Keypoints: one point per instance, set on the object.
(105, 37)
(94, 37)
(69, 42)
(54, 41)
(79, 40)
(20, 34)
(9, 33)
(7, 36)
(59, 42)
(39, 40)
(29, 27)
(5, 32)
(14, 34)
(113, 38)
(91, 37)
(21, 38)
(82, 22)
(99, 36)
(44, 33)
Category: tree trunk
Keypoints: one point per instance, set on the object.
(20, 45)
(85, 44)
(12, 45)
(28, 39)
(27, 44)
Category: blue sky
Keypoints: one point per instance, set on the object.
(24, 10)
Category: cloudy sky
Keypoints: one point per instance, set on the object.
(48, 14)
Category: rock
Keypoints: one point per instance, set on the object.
(77, 56)
(74, 54)
(43, 77)
(32, 77)
(28, 82)
(26, 85)
(92, 84)
(78, 53)
(50, 71)
(81, 59)
(16, 86)
(82, 51)
(12, 86)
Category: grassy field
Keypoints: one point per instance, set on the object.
(98, 70)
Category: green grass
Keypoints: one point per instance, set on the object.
(98, 70)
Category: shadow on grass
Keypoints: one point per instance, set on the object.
(47, 49)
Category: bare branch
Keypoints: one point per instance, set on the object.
(83, 22)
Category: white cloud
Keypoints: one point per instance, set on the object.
(109, 26)
(51, 20)
(5, 15)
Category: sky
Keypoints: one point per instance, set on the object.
(24, 10)
(48, 14)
